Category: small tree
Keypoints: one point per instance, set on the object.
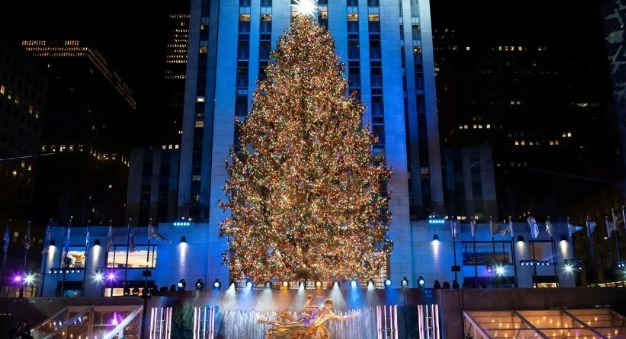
(305, 193)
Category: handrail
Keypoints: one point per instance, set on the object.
(123, 324)
(68, 323)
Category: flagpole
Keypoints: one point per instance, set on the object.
(85, 263)
(593, 257)
(66, 248)
(145, 273)
(454, 246)
(45, 257)
(513, 249)
(475, 261)
(4, 259)
(493, 248)
(26, 245)
(616, 246)
(127, 252)
(608, 234)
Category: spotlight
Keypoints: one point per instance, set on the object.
(98, 276)
(336, 283)
(421, 281)
(302, 283)
(183, 239)
(353, 283)
(199, 285)
(435, 237)
(217, 284)
(489, 269)
(405, 282)
(318, 285)
(520, 238)
(268, 284)
(563, 238)
(371, 283)
(181, 284)
(387, 283)
(29, 279)
(96, 242)
(285, 285)
(111, 276)
(249, 283)
(500, 270)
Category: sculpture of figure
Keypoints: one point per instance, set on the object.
(310, 324)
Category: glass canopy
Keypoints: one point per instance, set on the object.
(558, 323)
(101, 322)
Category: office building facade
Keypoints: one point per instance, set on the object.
(387, 49)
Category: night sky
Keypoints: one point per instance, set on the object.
(131, 36)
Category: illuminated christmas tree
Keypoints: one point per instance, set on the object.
(306, 196)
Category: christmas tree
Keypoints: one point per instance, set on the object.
(306, 196)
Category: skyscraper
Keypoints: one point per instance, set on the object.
(85, 134)
(537, 96)
(388, 62)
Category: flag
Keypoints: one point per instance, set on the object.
(6, 239)
(110, 237)
(493, 227)
(508, 228)
(591, 226)
(549, 228)
(27, 238)
(87, 237)
(454, 227)
(48, 237)
(610, 226)
(66, 244)
(131, 242)
(571, 229)
(504, 230)
(534, 228)
(473, 227)
(153, 234)
(624, 217)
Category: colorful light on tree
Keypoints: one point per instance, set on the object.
(306, 196)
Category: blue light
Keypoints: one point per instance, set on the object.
(217, 284)
(387, 282)
(353, 284)
(181, 223)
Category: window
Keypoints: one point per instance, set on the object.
(116, 257)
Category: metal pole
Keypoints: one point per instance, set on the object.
(127, 252)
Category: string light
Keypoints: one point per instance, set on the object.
(305, 195)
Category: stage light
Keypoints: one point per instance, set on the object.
(405, 282)
(302, 283)
(421, 281)
(96, 242)
(336, 283)
(435, 237)
(520, 238)
(29, 279)
(268, 284)
(285, 284)
(249, 283)
(181, 284)
(563, 238)
(371, 283)
(183, 239)
(500, 270)
(199, 285)
(98, 276)
(353, 283)
(489, 269)
(217, 284)
(387, 283)
(318, 284)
